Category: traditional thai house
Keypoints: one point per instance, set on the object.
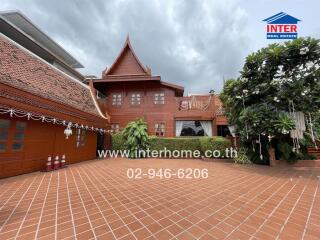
(130, 91)
(42, 98)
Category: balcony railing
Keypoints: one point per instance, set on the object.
(220, 111)
(195, 103)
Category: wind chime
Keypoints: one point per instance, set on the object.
(313, 138)
(244, 107)
(260, 146)
(300, 126)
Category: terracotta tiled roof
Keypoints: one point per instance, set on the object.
(21, 69)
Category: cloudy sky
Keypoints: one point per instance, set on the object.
(192, 43)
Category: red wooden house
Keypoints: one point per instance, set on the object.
(131, 91)
(38, 102)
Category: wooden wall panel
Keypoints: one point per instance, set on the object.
(42, 140)
(222, 120)
(152, 113)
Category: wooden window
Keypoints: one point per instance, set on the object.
(19, 135)
(81, 137)
(115, 127)
(159, 129)
(4, 134)
(135, 99)
(159, 98)
(116, 99)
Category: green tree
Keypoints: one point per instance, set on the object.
(257, 103)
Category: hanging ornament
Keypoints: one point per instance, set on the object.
(68, 130)
(296, 133)
(312, 133)
(260, 147)
(246, 125)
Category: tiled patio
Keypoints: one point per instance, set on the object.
(96, 200)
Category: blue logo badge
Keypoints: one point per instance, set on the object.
(282, 26)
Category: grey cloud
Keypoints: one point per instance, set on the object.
(191, 43)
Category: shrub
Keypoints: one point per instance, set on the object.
(286, 151)
(117, 141)
(242, 157)
(136, 136)
(214, 143)
(201, 144)
(291, 155)
(173, 143)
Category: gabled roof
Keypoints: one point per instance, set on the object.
(128, 68)
(127, 63)
(281, 18)
(23, 70)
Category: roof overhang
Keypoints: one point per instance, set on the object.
(21, 101)
(126, 78)
(23, 24)
(137, 78)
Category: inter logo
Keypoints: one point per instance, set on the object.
(282, 26)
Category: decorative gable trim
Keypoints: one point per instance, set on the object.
(127, 45)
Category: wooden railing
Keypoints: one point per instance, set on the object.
(203, 103)
(220, 111)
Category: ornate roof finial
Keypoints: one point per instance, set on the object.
(128, 38)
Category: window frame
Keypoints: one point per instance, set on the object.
(16, 131)
(81, 137)
(116, 99)
(6, 141)
(13, 130)
(117, 129)
(136, 100)
(159, 98)
(160, 129)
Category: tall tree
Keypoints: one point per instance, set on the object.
(275, 80)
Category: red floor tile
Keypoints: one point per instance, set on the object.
(95, 199)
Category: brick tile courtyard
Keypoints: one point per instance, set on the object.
(96, 200)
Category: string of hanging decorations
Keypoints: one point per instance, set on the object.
(32, 116)
(300, 122)
(296, 134)
(311, 125)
